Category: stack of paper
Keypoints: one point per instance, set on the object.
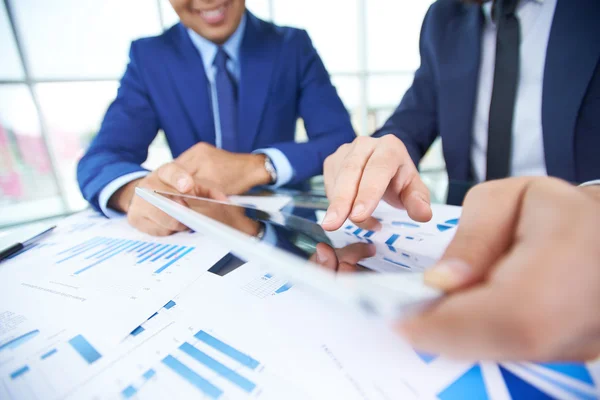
(99, 310)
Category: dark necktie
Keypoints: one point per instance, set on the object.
(227, 101)
(506, 76)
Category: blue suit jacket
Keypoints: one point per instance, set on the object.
(165, 87)
(442, 98)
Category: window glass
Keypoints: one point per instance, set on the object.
(10, 67)
(82, 38)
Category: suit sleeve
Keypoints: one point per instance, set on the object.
(121, 145)
(415, 120)
(325, 117)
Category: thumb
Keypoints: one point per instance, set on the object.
(486, 231)
(176, 177)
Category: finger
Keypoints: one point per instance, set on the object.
(356, 252)
(150, 227)
(346, 268)
(382, 166)
(326, 257)
(415, 198)
(485, 232)
(371, 224)
(164, 220)
(209, 190)
(469, 325)
(346, 183)
(176, 177)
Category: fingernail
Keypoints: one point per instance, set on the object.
(321, 258)
(358, 210)
(330, 217)
(182, 184)
(448, 274)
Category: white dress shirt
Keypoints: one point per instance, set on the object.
(527, 158)
(208, 51)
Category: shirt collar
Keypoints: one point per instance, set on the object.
(487, 8)
(208, 50)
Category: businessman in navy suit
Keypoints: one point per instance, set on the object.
(511, 86)
(227, 89)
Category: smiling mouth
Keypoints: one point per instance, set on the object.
(214, 16)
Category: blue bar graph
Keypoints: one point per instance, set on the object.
(129, 392)
(226, 349)
(149, 249)
(175, 252)
(224, 371)
(84, 249)
(81, 245)
(48, 354)
(357, 232)
(392, 239)
(149, 374)
(167, 265)
(164, 252)
(170, 305)
(144, 247)
(396, 263)
(105, 257)
(100, 249)
(153, 253)
(110, 245)
(369, 234)
(284, 288)
(268, 276)
(192, 377)
(19, 372)
(137, 330)
(85, 349)
(16, 342)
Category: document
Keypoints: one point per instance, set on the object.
(234, 329)
(104, 280)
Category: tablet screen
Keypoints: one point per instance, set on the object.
(370, 247)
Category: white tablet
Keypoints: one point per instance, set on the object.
(364, 268)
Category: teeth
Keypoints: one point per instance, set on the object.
(214, 13)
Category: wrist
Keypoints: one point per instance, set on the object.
(260, 174)
(121, 199)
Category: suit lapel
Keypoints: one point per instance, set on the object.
(189, 78)
(572, 56)
(458, 84)
(257, 59)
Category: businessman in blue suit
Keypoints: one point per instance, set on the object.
(227, 89)
(511, 86)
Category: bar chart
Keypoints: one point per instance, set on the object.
(52, 370)
(98, 250)
(206, 364)
(267, 285)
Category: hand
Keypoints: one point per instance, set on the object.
(232, 173)
(359, 174)
(344, 259)
(523, 276)
(146, 217)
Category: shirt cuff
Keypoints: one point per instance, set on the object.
(270, 236)
(285, 171)
(591, 183)
(112, 187)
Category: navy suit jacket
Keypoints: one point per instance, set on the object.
(165, 87)
(441, 100)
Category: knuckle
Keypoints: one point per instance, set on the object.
(362, 140)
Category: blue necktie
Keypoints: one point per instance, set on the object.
(227, 100)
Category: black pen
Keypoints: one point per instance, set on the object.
(17, 247)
